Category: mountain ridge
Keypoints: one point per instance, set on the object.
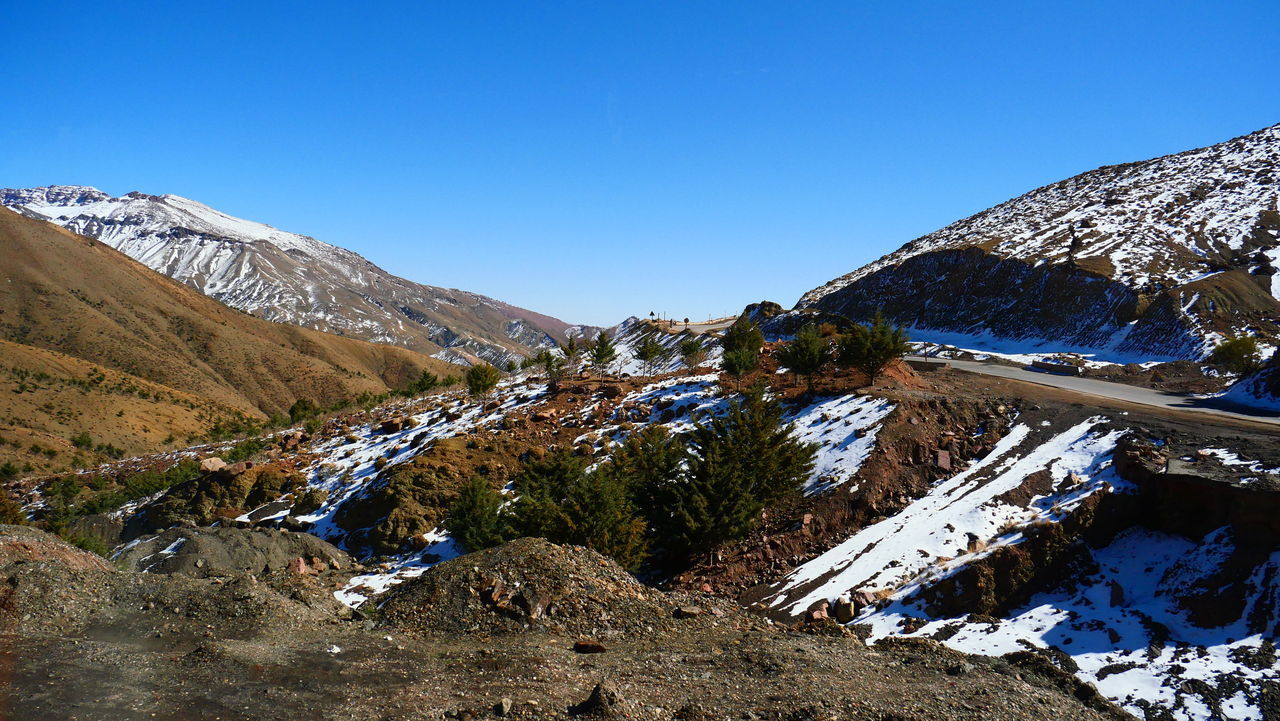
(1183, 246)
(292, 278)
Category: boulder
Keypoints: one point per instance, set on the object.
(212, 464)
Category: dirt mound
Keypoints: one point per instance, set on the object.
(20, 544)
(48, 587)
(533, 584)
(206, 552)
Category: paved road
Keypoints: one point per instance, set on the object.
(1114, 391)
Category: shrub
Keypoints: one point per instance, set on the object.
(82, 440)
(1237, 355)
(602, 354)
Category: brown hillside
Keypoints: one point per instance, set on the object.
(74, 295)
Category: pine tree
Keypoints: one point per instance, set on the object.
(475, 519)
(713, 489)
(602, 354)
(651, 354)
(870, 348)
(806, 354)
(738, 363)
(572, 354)
(562, 502)
(481, 379)
(692, 352)
(552, 366)
(742, 335)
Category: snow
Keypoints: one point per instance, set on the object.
(1087, 620)
(955, 512)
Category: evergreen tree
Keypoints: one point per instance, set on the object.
(870, 348)
(423, 384)
(553, 367)
(737, 465)
(692, 352)
(475, 520)
(651, 354)
(572, 354)
(602, 354)
(563, 503)
(743, 335)
(738, 363)
(806, 354)
(481, 379)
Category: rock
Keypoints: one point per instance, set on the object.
(492, 405)
(299, 567)
(212, 464)
(588, 647)
(601, 701)
(817, 612)
(960, 669)
(843, 609)
(236, 469)
(862, 599)
(394, 425)
(503, 707)
(611, 391)
(687, 611)
(943, 460)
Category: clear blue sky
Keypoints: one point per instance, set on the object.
(597, 159)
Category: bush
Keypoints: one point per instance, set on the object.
(1237, 355)
(302, 409)
(82, 440)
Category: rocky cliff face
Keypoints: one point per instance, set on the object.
(1155, 259)
(291, 278)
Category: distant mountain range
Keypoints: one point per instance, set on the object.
(92, 341)
(1149, 260)
(292, 278)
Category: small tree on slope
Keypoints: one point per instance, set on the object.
(481, 379)
(870, 348)
(806, 355)
(602, 354)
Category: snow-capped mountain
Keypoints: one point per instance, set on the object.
(1148, 259)
(290, 278)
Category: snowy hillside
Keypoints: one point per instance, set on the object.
(1154, 258)
(290, 278)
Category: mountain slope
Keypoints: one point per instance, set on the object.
(73, 295)
(1150, 259)
(291, 278)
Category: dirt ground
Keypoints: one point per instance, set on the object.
(129, 647)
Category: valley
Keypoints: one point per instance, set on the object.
(1024, 467)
